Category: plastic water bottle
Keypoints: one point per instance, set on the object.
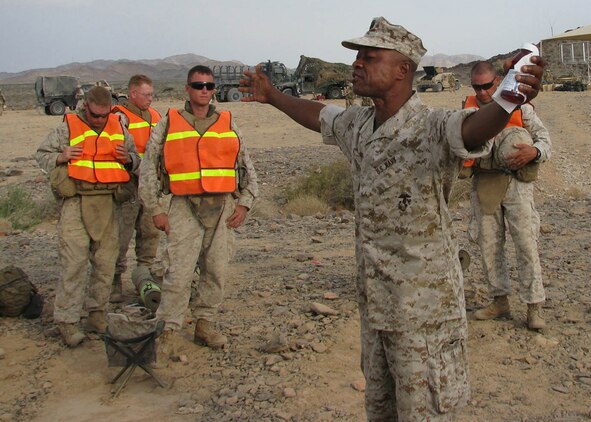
(510, 87)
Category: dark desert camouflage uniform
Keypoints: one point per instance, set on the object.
(133, 216)
(518, 214)
(197, 226)
(83, 239)
(409, 280)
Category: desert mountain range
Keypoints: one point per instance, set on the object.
(169, 68)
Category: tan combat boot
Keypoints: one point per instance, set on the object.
(71, 334)
(205, 334)
(96, 322)
(499, 308)
(116, 290)
(534, 317)
(165, 346)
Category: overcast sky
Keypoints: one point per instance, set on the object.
(49, 33)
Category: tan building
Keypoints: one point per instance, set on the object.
(569, 54)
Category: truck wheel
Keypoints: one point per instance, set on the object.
(46, 109)
(57, 108)
(333, 93)
(234, 95)
(437, 87)
(457, 85)
(288, 91)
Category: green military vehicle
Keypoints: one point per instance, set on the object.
(315, 76)
(227, 79)
(55, 93)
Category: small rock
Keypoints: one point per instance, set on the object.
(303, 276)
(560, 389)
(319, 347)
(190, 410)
(232, 400)
(275, 345)
(321, 309)
(545, 342)
(330, 296)
(316, 239)
(283, 416)
(289, 392)
(358, 385)
(546, 228)
(585, 380)
(2, 353)
(47, 385)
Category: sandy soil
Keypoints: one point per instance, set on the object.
(285, 263)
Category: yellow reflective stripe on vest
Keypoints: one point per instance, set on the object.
(138, 125)
(181, 135)
(89, 133)
(97, 164)
(82, 137)
(194, 175)
(115, 137)
(218, 172)
(231, 134)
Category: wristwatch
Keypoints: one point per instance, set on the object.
(538, 154)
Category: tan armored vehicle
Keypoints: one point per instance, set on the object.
(436, 80)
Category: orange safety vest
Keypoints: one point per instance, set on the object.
(98, 162)
(198, 164)
(515, 120)
(138, 127)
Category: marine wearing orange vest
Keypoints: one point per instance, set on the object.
(98, 162)
(515, 120)
(201, 163)
(139, 128)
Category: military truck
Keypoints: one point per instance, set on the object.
(323, 78)
(227, 79)
(116, 96)
(55, 93)
(437, 80)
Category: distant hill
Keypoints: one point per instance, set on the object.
(176, 67)
(169, 68)
(443, 60)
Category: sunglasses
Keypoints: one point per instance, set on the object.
(200, 85)
(483, 87)
(96, 115)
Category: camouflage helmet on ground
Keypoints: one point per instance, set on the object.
(17, 293)
(505, 141)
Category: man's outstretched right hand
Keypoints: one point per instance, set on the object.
(257, 86)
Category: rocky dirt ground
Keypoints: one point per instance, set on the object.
(284, 360)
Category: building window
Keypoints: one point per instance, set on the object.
(575, 52)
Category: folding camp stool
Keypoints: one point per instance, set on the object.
(131, 352)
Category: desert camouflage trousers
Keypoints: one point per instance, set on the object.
(419, 375)
(134, 216)
(517, 213)
(76, 250)
(198, 232)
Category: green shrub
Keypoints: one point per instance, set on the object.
(17, 207)
(331, 183)
(303, 205)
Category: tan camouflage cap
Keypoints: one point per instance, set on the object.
(382, 34)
